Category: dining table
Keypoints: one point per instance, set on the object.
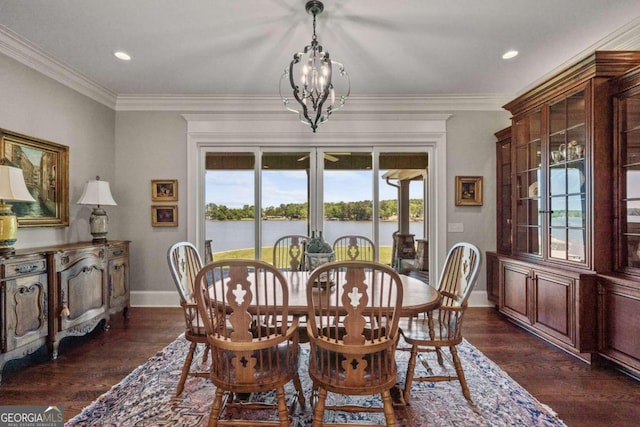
(417, 296)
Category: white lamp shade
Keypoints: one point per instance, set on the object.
(97, 193)
(12, 185)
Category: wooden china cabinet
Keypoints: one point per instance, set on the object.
(619, 291)
(556, 233)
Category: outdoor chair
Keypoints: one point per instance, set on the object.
(353, 334)
(247, 356)
(430, 332)
(184, 264)
(354, 248)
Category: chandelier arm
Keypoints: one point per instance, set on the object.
(296, 88)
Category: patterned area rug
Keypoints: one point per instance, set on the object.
(146, 397)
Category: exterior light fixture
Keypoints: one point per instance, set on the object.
(312, 76)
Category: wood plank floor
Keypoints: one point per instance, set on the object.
(88, 366)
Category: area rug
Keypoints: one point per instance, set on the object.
(146, 397)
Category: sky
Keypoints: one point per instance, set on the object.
(235, 188)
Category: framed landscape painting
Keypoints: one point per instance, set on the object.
(45, 166)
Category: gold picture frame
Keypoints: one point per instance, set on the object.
(45, 166)
(468, 191)
(164, 215)
(164, 190)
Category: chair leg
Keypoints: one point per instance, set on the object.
(389, 413)
(298, 386)
(318, 410)
(205, 354)
(186, 368)
(439, 355)
(283, 412)
(215, 408)
(432, 335)
(411, 367)
(460, 373)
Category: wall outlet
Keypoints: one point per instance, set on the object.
(455, 227)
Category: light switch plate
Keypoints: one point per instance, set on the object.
(455, 227)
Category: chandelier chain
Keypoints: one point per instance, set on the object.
(314, 27)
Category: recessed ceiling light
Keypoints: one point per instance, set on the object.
(510, 54)
(122, 55)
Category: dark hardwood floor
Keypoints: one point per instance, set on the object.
(88, 366)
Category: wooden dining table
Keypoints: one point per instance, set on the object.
(417, 296)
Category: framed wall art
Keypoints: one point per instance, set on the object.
(45, 166)
(164, 190)
(164, 215)
(468, 191)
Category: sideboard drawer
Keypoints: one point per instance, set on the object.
(15, 269)
(118, 250)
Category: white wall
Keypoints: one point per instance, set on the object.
(38, 106)
(150, 145)
(471, 145)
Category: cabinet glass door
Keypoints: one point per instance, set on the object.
(528, 159)
(629, 184)
(504, 196)
(566, 179)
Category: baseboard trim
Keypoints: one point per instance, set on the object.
(155, 299)
(170, 299)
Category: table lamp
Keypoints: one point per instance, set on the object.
(97, 193)
(12, 189)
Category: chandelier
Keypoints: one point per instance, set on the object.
(311, 77)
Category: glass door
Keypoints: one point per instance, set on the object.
(347, 194)
(254, 197)
(628, 183)
(566, 180)
(285, 196)
(402, 195)
(528, 164)
(230, 209)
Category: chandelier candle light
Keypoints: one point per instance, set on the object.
(98, 193)
(311, 76)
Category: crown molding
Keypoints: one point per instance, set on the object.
(626, 37)
(266, 104)
(28, 54)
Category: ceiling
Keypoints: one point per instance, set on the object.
(389, 48)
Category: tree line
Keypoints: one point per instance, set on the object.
(340, 211)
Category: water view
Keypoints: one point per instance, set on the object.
(232, 235)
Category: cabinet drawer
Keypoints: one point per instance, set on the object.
(64, 259)
(15, 269)
(116, 251)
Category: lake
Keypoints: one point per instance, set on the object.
(231, 235)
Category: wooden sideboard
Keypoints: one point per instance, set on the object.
(49, 293)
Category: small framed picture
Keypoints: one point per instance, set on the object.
(164, 215)
(164, 190)
(468, 191)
